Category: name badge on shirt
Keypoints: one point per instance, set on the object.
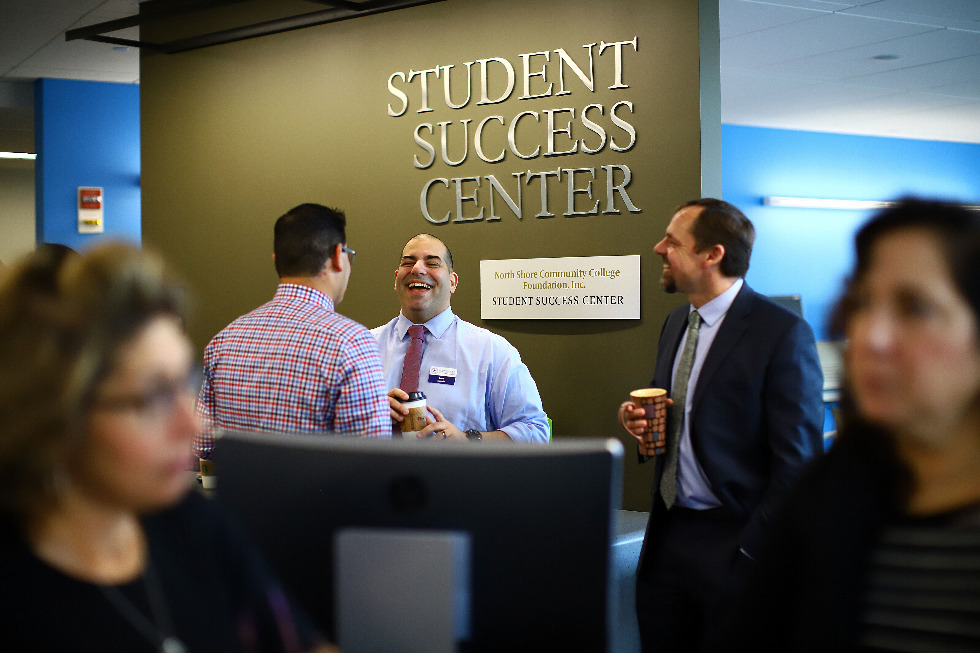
(443, 375)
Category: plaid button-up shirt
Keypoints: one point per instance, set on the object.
(293, 365)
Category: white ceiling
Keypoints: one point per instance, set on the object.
(33, 42)
(794, 64)
(811, 65)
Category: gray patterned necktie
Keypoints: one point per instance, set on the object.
(668, 482)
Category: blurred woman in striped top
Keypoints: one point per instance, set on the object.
(879, 548)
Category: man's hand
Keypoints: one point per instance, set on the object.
(440, 428)
(396, 399)
(634, 421)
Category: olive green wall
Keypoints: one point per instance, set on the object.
(235, 135)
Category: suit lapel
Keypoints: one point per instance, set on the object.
(731, 330)
(671, 340)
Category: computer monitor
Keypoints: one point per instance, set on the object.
(540, 521)
(792, 302)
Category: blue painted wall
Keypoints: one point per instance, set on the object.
(808, 251)
(86, 134)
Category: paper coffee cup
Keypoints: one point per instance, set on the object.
(208, 479)
(415, 420)
(653, 401)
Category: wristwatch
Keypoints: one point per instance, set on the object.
(473, 434)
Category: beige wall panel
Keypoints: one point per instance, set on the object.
(235, 135)
(16, 209)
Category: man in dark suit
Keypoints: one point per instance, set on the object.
(739, 430)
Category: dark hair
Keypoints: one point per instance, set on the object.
(39, 270)
(449, 255)
(57, 343)
(957, 230)
(56, 250)
(306, 237)
(722, 223)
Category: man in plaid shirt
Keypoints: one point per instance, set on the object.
(294, 364)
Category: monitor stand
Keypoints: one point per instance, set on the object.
(402, 590)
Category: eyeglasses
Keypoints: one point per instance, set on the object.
(158, 401)
(349, 251)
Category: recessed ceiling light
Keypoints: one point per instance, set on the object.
(886, 57)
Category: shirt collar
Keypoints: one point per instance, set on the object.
(715, 309)
(436, 326)
(303, 293)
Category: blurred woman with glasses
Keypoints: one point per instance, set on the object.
(102, 546)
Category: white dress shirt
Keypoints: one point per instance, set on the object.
(693, 487)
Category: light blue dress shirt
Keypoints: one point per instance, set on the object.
(693, 487)
(473, 376)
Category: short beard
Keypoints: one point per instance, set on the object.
(668, 284)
